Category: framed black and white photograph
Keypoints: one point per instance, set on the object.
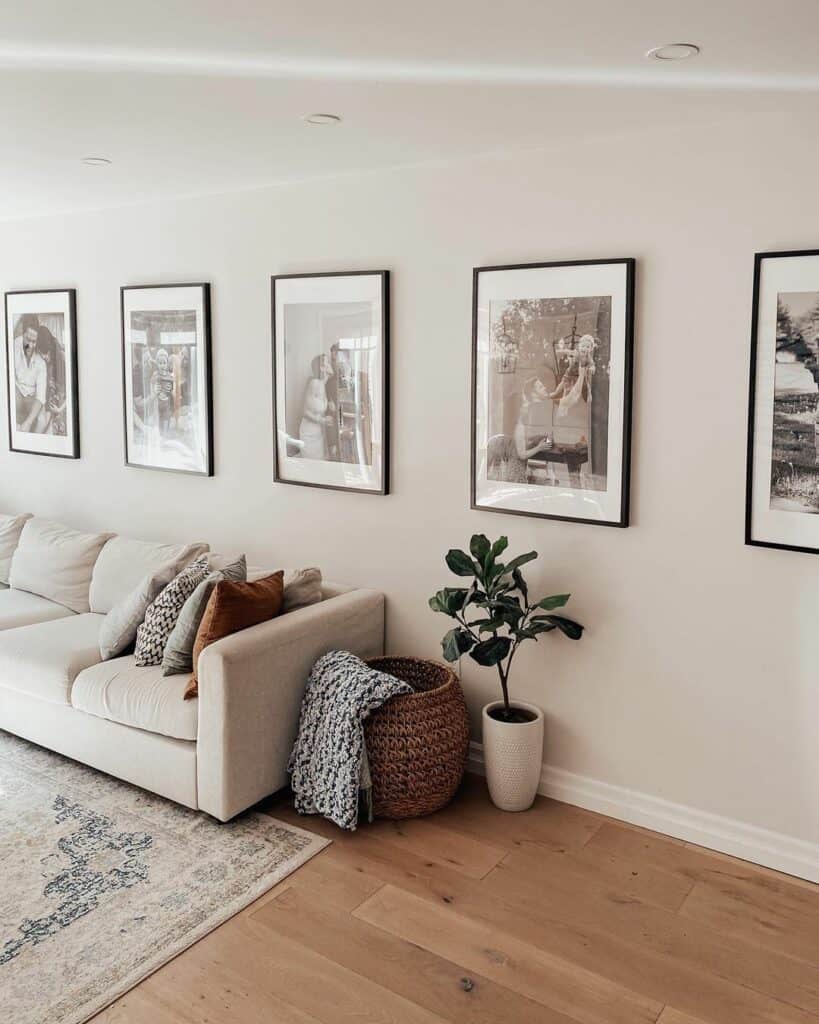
(782, 506)
(167, 378)
(330, 380)
(551, 390)
(41, 359)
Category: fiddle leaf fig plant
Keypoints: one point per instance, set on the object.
(494, 614)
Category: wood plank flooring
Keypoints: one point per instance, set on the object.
(553, 916)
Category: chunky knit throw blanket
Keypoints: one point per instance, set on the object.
(328, 764)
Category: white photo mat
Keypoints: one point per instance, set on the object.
(555, 282)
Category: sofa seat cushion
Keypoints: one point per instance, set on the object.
(143, 698)
(19, 608)
(43, 660)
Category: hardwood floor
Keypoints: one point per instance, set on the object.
(553, 916)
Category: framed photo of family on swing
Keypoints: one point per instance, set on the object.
(331, 380)
(551, 390)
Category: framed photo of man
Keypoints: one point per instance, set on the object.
(782, 503)
(167, 378)
(330, 380)
(41, 363)
(551, 390)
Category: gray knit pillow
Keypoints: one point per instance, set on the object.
(161, 616)
(178, 654)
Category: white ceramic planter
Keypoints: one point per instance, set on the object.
(513, 757)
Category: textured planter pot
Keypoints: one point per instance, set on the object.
(513, 757)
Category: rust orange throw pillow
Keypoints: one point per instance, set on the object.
(234, 606)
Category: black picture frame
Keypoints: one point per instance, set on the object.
(759, 260)
(72, 380)
(384, 411)
(207, 347)
(622, 519)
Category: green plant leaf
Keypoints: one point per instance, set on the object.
(456, 642)
(460, 563)
(490, 652)
(557, 601)
(500, 545)
(480, 547)
(490, 625)
(516, 563)
(573, 630)
(531, 632)
(520, 583)
(450, 600)
(494, 573)
(539, 626)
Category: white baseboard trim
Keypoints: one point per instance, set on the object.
(748, 842)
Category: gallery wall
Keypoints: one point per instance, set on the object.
(696, 681)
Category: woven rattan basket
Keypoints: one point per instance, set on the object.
(417, 743)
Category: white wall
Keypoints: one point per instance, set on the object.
(697, 678)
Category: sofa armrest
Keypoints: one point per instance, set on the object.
(250, 691)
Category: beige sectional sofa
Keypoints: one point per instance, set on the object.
(220, 753)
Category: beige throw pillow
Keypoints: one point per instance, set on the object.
(301, 588)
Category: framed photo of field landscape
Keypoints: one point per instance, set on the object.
(551, 390)
(331, 336)
(41, 358)
(782, 503)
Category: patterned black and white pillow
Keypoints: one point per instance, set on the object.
(161, 616)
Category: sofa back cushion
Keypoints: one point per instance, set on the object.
(124, 563)
(56, 562)
(10, 529)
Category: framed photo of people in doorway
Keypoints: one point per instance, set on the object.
(41, 360)
(782, 502)
(166, 378)
(551, 390)
(330, 380)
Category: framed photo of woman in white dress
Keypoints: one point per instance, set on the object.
(551, 390)
(330, 380)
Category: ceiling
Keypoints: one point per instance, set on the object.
(195, 96)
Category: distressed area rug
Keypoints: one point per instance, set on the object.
(102, 883)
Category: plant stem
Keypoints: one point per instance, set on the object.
(506, 709)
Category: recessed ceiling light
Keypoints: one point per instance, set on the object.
(96, 161)
(322, 119)
(674, 51)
